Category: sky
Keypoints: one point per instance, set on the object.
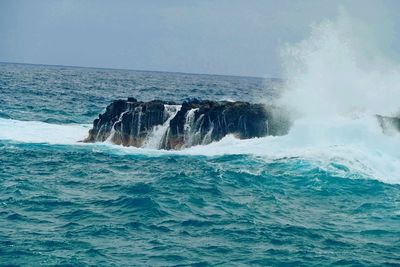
(215, 37)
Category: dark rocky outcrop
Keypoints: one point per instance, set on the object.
(167, 125)
(388, 124)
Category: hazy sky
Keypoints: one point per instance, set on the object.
(221, 37)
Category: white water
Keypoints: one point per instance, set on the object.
(357, 144)
(41, 132)
(111, 136)
(192, 134)
(156, 137)
(189, 127)
(332, 73)
(335, 90)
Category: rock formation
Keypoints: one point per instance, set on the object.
(168, 125)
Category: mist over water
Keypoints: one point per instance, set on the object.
(327, 193)
(334, 89)
(334, 73)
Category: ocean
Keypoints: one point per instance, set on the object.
(326, 194)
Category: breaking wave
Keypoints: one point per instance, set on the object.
(358, 145)
(334, 92)
(42, 132)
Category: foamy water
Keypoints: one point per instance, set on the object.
(359, 144)
(325, 194)
(332, 94)
(41, 132)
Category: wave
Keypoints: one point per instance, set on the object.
(356, 144)
(336, 89)
(359, 145)
(42, 132)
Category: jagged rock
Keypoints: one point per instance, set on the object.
(167, 125)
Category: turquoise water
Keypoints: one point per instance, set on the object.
(66, 203)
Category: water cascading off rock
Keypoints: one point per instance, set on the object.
(167, 125)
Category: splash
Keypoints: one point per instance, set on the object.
(335, 90)
(333, 73)
(365, 151)
(356, 144)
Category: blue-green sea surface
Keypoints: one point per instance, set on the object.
(70, 204)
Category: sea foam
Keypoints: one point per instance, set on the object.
(334, 91)
(41, 132)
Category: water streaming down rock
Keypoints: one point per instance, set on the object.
(112, 134)
(159, 134)
(189, 128)
(389, 124)
(127, 122)
(167, 125)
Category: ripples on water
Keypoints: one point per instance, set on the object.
(90, 205)
(77, 95)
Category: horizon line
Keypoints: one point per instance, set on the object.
(126, 69)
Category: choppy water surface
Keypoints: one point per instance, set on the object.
(231, 203)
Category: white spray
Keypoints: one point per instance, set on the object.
(335, 88)
(332, 73)
(334, 91)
